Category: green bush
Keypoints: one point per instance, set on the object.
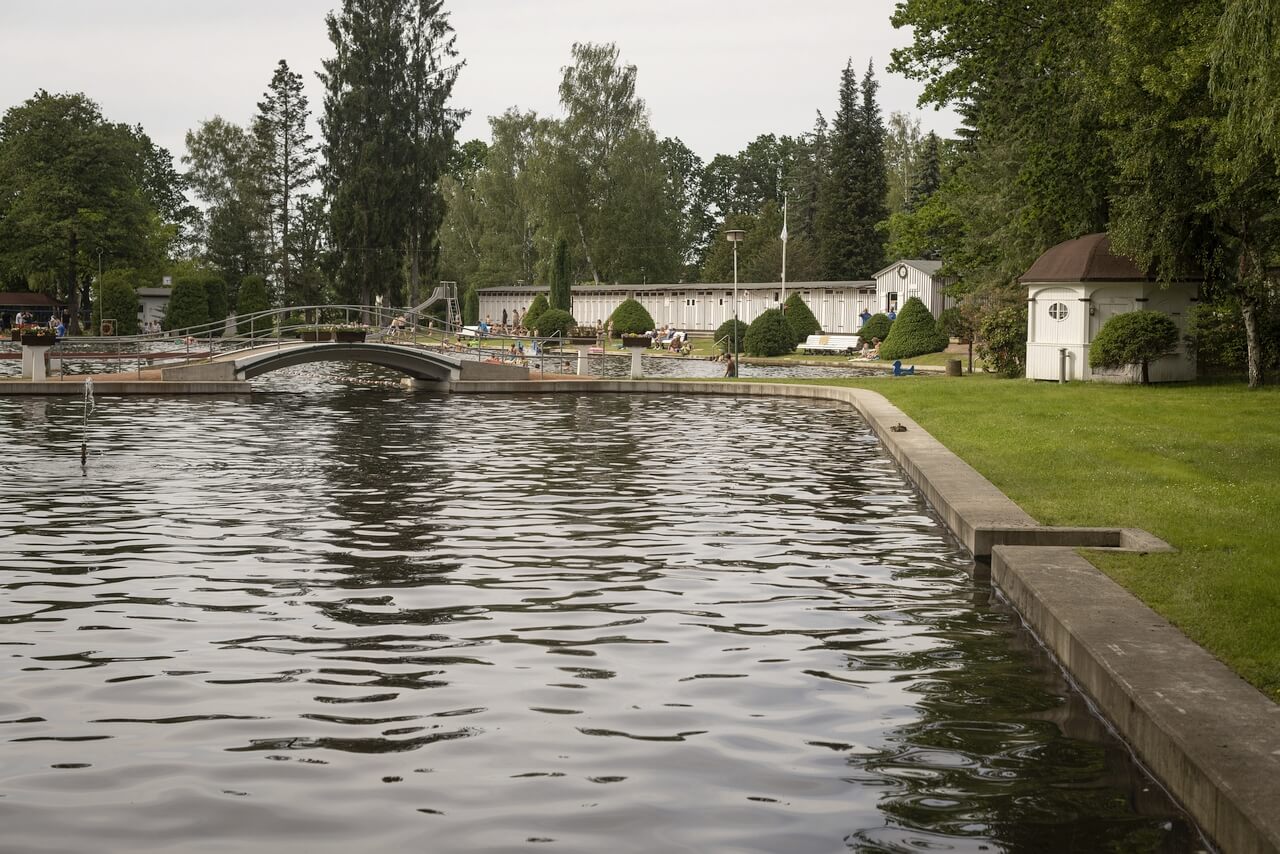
(554, 321)
(914, 333)
(1134, 338)
(953, 323)
(630, 318)
(253, 298)
(769, 335)
(188, 305)
(470, 306)
(536, 308)
(215, 294)
(877, 327)
(117, 299)
(724, 334)
(800, 318)
(1003, 341)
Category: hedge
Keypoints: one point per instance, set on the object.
(800, 318)
(914, 333)
(877, 327)
(724, 335)
(770, 335)
(1134, 338)
(631, 318)
(536, 308)
(554, 321)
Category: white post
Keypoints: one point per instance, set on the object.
(582, 362)
(635, 361)
(784, 248)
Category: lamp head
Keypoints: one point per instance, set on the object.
(734, 235)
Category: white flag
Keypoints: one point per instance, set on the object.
(784, 220)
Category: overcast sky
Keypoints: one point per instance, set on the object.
(714, 74)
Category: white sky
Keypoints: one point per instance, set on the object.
(714, 74)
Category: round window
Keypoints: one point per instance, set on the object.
(1058, 311)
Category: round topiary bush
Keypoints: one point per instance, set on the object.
(1134, 338)
(800, 318)
(1003, 341)
(188, 305)
(877, 327)
(630, 318)
(536, 308)
(769, 335)
(117, 299)
(554, 321)
(724, 335)
(914, 333)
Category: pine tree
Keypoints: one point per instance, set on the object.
(929, 178)
(288, 162)
(853, 198)
(561, 296)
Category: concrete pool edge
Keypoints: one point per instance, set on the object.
(1211, 738)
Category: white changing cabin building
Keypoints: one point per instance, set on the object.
(908, 278)
(1074, 288)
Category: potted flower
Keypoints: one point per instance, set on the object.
(315, 333)
(37, 336)
(349, 334)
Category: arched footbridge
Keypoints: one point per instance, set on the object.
(416, 362)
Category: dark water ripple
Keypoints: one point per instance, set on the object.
(359, 619)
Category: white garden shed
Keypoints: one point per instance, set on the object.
(912, 277)
(1074, 288)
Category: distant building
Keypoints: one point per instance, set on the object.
(152, 304)
(908, 278)
(1074, 288)
(696, 306)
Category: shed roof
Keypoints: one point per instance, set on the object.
(924, 265)
(1085, 259)
(25, 299)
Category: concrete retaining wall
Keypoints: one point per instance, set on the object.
(72, 386)
(1208, 736)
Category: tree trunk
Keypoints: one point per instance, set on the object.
(1146, 376)
(414, 271)
(582, 235)
(1250, 313)
(73, 286)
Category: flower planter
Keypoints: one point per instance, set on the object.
(15, 335)
(636, 341)
(29, 340)
(349, 336)
(315, 335)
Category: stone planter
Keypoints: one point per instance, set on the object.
(29, 340)
(315, 335)
(349, 336)
(636, 341)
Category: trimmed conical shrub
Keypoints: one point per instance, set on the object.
(800, 318)
(536, 308)
(724, 335)
(877, 326)
(769, 335)
(631, 318)
(913, 333)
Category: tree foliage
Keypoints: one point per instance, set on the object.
(631, 318)
(554, 321)
(1003, 341)
(800, 318)
(914, 333)
(725, 335)
(853, 201)
(561, 296)
(254, 298)
(188, 305)
(1134, 338)
(769, 335)
(116, 298)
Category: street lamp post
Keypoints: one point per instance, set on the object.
(734, 236)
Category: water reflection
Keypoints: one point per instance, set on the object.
(355, 617)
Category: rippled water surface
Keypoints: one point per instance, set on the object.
(357, 620)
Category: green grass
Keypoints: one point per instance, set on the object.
(1197, 465)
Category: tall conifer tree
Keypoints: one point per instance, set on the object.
(561, 279)
(288, 163)
(853, 198)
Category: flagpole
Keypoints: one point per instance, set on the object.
(784, 248)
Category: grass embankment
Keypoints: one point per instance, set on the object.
(1197, 465)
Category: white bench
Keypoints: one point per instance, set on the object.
(831, 344)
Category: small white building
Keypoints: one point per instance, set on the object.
(152, 304)
(908, 278)
(1074, 288)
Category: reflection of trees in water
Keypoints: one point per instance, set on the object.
(1003, 749)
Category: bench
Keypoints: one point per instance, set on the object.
(831, 344)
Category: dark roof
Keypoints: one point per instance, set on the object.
(1085, 259)
(26, 299)
(684, 286)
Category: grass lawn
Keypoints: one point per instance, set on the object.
(1197, 465)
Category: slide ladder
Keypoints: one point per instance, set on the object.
(448, 293)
